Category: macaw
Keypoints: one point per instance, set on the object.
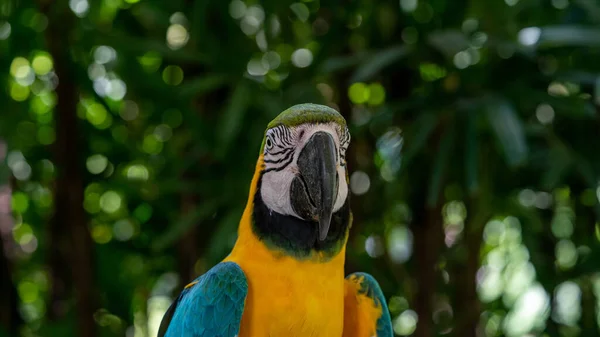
(285, 275)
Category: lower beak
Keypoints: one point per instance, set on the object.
(314, 190)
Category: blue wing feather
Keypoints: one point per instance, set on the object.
(212, 307)
(370, 288)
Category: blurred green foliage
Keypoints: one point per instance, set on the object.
(129, 130)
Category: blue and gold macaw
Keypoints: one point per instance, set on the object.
(285, 274)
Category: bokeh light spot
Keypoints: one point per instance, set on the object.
(5, 30)
(18, 92)
(28, 291)
(152, 145)
(172, 75)
(462, 59)
(177, 36)
(237, 9)
(19, 66)
(137, 172)
(163, 132)
(150, 61)
(558, 89)
(42, 64)
(374, 246)
(101, 233)
(256, 68)
(529, 36)
(376, 94)
(79, 7)
(400, 244)
(566, 254)
(359, 93)
(568, 303)
(129, 110)
(110, 201)
(302, 58)
(97, 115)
(301, 11)
(544, 113)
(117, 89)
(359, 182)
(123, 230)
(96, 164)
(560, 4)
(20, 202)
(494, 232)
(408, 5)
(143, 212)
(406, 323)
(46, 135)
(104, 54)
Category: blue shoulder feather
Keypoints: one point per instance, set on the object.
(370, 288)
(211, 306)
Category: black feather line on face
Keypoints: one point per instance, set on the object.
(297, 237)
(277, 161)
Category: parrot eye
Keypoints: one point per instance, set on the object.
(268, 143)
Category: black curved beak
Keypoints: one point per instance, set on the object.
(314, 190)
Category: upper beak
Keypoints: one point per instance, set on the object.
(314, 190)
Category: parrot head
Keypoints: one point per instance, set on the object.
(301, 201)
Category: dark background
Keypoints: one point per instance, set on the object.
(130, 129)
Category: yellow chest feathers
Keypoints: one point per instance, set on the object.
(292, 298)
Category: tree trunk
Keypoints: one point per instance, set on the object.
(187, 247)
(428, 235)
(71, 244)
(428, 230)
(467, 304)
(10, 318)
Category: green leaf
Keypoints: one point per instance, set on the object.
(186, 222)
(230, 122)
(449, 42)
(586, 170)
(567, 35)
(338, 63)
(378, 61)
(225, 232)
(559, 163)
(202, 85)
(508, 130)
(420, 132)
(440, 164)
(591, 8)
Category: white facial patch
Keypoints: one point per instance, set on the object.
(282, 148)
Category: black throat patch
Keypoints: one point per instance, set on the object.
(298, 237)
